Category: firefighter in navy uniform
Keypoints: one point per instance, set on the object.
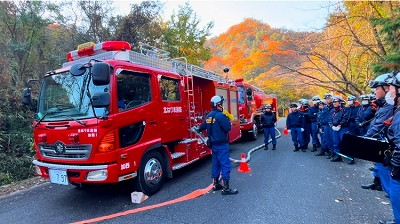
(365, 114)
(295, 124)
(313, 115)
(377, 127)
(268, 120)
(325, 128)
(354, 107)
(339, 123)
(392, 97)
(307, 129)
(218, 126)
(324, 147)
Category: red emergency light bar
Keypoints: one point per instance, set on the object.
(91, 48)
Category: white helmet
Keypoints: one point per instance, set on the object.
(217, 101)
(393, 79)
(268, 106)
(379, 81)
(351, 97)
(315, 98)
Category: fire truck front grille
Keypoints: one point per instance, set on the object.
(72, 152)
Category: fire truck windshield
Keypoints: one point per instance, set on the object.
(66, 97)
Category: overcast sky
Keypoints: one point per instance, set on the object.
(295, 15)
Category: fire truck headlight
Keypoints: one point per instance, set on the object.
(97, 175)
(38, 171)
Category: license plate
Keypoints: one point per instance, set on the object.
(58, 177)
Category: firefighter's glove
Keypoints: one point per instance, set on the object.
(302, 129)
(227, 114)
(335, 128)
(374, 106)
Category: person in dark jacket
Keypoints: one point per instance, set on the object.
(339, 123)
(377, 129)
(364, 115)
(353, 107)
(268, 120)
(313, 115)
(307, 128)
(327, 144)
(392, 97)
(218, 135)
(295, 124)
(321, 106)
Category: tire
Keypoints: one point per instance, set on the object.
(253, 135)
(151, 173)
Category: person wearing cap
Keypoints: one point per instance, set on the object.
(295, 124)
(364, 115)
(339, 123)
(218, 126)
(326, 130)
(313, 115)
(353, 107)
(392, 97)
(268, 120)
(382, 111)
(307, 129)
(321, 105)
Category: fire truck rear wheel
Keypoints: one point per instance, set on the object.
(151, 173)
(253, 135)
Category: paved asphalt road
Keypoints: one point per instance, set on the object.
(282, 187)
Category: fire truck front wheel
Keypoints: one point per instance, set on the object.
(151, 173)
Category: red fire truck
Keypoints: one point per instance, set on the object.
(251, 104)
(111, 114)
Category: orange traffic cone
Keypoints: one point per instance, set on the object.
(243, 165)
(285, 131)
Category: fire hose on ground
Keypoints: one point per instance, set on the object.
(248, 157)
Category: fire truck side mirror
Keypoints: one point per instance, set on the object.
(26, 96)
(101, 100)
(77, 70)
(101, 74)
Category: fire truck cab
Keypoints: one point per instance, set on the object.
(111, 114)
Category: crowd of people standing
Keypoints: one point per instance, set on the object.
(377, 117)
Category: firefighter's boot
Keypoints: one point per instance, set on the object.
(226, 190)
(217, 184)
(296, 148)
(273, 146)
(376, 185)
(266, 147)
(314, 148)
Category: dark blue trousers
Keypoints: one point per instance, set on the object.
(314, 133)
(220, 162)
(267, 133)
(307, 134)
(297, 136)
(337, 138)
(328, 137)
